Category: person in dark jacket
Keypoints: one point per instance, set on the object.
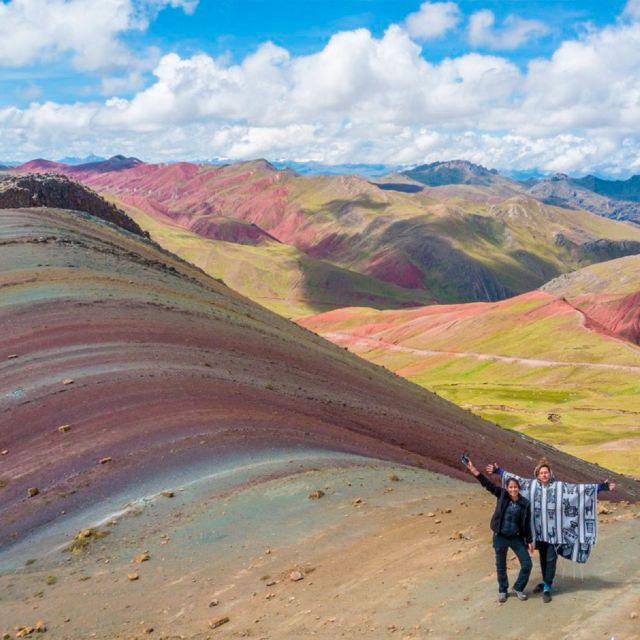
(511, 526)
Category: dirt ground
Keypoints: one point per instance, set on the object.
(386, 552)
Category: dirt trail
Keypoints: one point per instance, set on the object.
(385, 553)
(343, 339)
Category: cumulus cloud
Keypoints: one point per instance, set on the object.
(364, 98)
(433, 20)
(514, 32)
(632, 9)
(33, 31)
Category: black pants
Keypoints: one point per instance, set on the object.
(548, 561)
(501, 545)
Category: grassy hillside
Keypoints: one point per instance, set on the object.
(276, 275)
(529, 364)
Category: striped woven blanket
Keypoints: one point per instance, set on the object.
(562, 513)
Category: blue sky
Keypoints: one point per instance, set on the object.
(517, 85)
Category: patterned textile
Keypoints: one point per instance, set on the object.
(562, 514)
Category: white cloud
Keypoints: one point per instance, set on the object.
(365, 99)
(33, 31)
(632, 9)
(514, 32)
(433, 20)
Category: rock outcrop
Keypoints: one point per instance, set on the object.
(53, 190)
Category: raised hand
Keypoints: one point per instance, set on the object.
(473, 469)
(491, 468)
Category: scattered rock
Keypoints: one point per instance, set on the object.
(142, 557)
(149, 630)
(83, 538)
(394, 478)
(132, 577)
(358, 501)
(271, 583)
(68, 381)
(105, 460)
(168, 494)
(12, 356)
(296, 576)
(458, 535)
(32, 491)
(553, 417)
(602, 510)
(448, 510)
(431, 514)
(316, 495)
(214, 603)
(218, 622)
(64, 428)
(438, 521)
(4, 452)
(24, 631)
(634, 615)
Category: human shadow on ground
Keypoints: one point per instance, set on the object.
(590, 583)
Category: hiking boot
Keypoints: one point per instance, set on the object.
(521, 595)
(539, 588)
(546, 596)
(502, 598)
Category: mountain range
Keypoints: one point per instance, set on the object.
(303, 245)
(95, 314)
(485, 239)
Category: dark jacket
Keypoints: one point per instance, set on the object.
(501, 507)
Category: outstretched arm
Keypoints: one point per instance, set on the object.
(607, 485)
(483, 480)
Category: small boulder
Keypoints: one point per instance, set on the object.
(316, 495)
(296, 576)
(64, 428)
(218, 622)
(168, 494)
(68, 381)
(105, 460)
(142, 557)
(32, 491)
(132, 577)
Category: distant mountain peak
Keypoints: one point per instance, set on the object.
(461, 165)
(438, 174)
(114, 163)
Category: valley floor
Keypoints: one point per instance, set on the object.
(386, 552)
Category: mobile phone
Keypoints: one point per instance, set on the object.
(464, 458)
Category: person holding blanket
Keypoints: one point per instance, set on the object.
(511, 526)
(563, 518)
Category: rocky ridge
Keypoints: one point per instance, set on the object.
(53, 190)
